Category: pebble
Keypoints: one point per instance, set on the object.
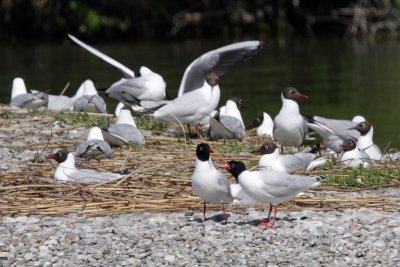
(321, 238)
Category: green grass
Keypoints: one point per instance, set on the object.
(388, 174)
(150, 124)
(80, 119)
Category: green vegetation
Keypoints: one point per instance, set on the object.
(80, 119)
(150, 124)
(381, 175)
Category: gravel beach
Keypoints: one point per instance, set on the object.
(354, 237)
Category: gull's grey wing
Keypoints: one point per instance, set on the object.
(99, 102)
(90, 103)
(127, 90)
(282, 185)
(338, 127)
(93, 149)
(30, 101)
(296, 162)
(218, 131)
(235, 125)
(128, 132)
(125, 70)
(219, 60)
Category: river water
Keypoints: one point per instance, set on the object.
(342, 78)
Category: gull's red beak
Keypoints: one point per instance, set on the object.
(303, 97)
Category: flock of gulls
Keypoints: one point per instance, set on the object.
(144, 92)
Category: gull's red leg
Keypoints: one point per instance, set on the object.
(204, 211)
(223, 210)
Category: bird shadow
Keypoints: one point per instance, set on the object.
(256, 222)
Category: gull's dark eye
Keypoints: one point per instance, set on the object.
(291, 92)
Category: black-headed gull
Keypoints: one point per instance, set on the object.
(228, 122)
(334, 131)
(21, 98)
(145, 85)
(290, 128)
(193, 106)
(94, 147)
(268, 186)
(352, 156)
(218, 60)
(89, 101)
(66, 170)
(124, 131)
(208, 183)
(149, 86)
(273, 160)
(263, 124)
(365, 141)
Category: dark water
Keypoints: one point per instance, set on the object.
(342, 78)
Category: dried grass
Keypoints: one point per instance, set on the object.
(159, 181)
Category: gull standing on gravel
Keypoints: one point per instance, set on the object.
(352, 156)
(124, 131)
(228, 122)
(94, 147)
(264, 124)
(290, 128)
(268, 186)
(271, 159)
(90, 101)
(209, 183)
(21, 98)
(365, 141)
(66, 170)
(334, 131)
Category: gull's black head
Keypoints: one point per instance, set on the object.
(203, 151)
(293, 94)
(59, 156)
(348, 145)
(256, 122)
(212, 78)
(363, 127)
(268, 147)
(235, 167)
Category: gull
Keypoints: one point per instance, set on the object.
(144, 85)
(88, 100)
(365, 141)
(219, 60)
(124, 131)
(66, 170)
(334, 131)
(193, 106)
(290, 128)
(208, 183)
(352, 156)
(264, 124)
(271, 159)
(21, 98)
(94, 147)
(228, 122)
(269, 186)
